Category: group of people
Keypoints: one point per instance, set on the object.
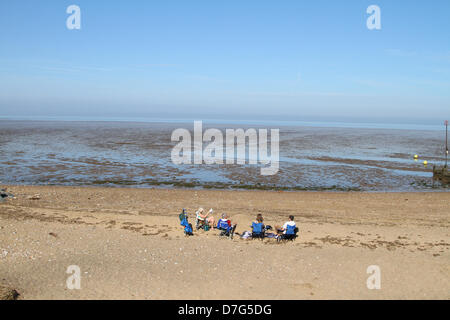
(206, 221)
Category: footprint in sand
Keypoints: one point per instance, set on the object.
(303, 285)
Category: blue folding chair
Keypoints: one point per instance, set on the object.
(227, 231)
(258, 230)
(291, 234)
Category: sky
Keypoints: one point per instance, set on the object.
(286, 60)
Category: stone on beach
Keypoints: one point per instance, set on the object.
(4, 194)
(7, 293)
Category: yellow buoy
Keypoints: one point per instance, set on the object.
(425, 162)
(416, 156)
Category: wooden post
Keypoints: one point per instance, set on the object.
(446, 142)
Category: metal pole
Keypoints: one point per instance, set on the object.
(446, 142)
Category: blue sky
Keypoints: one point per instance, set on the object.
(301, 60)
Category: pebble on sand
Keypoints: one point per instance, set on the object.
(7, 293)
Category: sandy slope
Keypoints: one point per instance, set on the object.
(128, 244)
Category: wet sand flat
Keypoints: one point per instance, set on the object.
(134, 154)
(128, 244)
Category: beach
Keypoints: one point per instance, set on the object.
(128, 244)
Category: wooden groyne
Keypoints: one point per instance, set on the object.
(441, 174)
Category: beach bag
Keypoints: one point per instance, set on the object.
(188, 230)
(184, 222)
(182, 215)
(246, 235)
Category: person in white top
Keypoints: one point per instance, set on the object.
(288, 223)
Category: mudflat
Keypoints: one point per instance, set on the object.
(139, 154)
(128, 244)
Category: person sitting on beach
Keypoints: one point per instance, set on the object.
(288, 225)
(258, 227)
(224, 223)
(204, 219)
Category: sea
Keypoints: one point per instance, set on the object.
(137, 152)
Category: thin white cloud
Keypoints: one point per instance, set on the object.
(400, 53)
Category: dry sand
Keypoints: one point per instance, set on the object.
(128, 244)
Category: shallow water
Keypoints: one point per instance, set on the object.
(371, 158)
